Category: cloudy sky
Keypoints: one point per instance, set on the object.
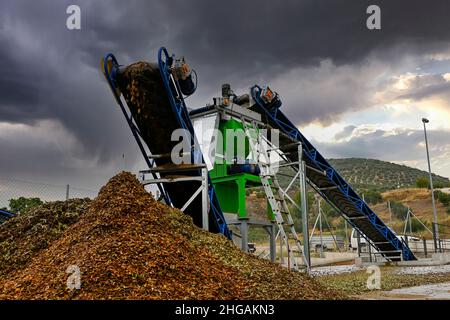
(354, 92)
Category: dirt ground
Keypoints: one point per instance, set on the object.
(419, 200)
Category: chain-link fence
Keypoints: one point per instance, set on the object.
(443, 242)
(16, 188)
(423, 247)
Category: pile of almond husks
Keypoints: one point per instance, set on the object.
(129, 246)
(35, 229)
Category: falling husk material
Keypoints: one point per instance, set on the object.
(129, 246)
(142, 87)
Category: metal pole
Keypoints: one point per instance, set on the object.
(390, 212)
(67, 192)
(205, 218)
(425, 247)
(314, 228)
(406, 222)
(346, 236)
(435, 229)
(410, 222)
(273, 245)
(281, 250)
(358, 241)
(435, 238)
(304, 200)
(244, 235)
(320, 231)
(331, 231)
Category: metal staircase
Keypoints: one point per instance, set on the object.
(274, 193)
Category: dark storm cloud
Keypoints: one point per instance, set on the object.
(49, 72)
(323, 93)
(385, 145)
(239, 41)
(258, 35)
(429, 91)
(421, 87)
(53, 73)
(345, 133)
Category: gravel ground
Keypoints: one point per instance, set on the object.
(334, 270)
(430, 291)
(355, 283)
(424, 270)
(416, 270)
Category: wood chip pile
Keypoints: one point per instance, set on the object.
(25, 236)
(129, 246)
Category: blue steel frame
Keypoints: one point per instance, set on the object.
(6, 214)
(179, 108)
(110, 70)
(286, 126)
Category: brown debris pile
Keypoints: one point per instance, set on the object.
(129, 246)
(24, 236)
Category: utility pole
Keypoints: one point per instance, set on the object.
(390, 213)
(435, 224)
(346, 236)
(67, 192)
(304, 207)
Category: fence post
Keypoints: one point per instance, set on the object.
(435, 237)
(67, 192)
(347, 245)
(358, 239)
(425, 250)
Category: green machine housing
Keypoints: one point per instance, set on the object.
(233, 173)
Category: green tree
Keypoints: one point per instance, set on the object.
(422, 182)
(444, 198)
(19, 205)
(398, 210)
(372, 197)
(416, 226)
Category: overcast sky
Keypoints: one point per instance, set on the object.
(354, 92)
